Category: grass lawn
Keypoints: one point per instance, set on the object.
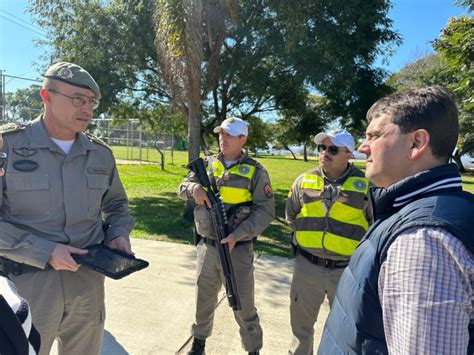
(158, 211)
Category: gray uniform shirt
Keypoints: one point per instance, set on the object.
(49, 197)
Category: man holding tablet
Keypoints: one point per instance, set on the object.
(59, 184)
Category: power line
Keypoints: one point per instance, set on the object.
(21, 78)
(22, 20)
(19, 24)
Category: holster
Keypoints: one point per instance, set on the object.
(8, 267)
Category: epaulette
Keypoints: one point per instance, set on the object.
(253, 162)
(11, 128)
(97, 140)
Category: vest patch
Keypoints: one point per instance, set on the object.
(25, 165)
(359, 184)
(243, 169)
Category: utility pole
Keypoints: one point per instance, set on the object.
(2, 97)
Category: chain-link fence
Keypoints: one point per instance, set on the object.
(130, 141)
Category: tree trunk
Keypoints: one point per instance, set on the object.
(305, 152)
(194, 131)
(288, 148)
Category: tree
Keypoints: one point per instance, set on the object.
(260, 133)
(251, 52)
(113, 40)
(456, 44)
(23, 104)
(425, 71)
(303, 121)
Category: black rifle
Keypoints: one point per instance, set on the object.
(221, 229)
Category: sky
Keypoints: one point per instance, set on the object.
(418, 21)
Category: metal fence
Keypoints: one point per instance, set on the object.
(130, 141)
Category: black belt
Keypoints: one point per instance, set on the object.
(327, 263)
(212, 242)
(11, 267)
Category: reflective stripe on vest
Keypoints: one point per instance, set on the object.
(333, 242)
(341, 213)
(232, 194)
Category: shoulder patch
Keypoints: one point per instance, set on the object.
(11, 128)
(97, 140)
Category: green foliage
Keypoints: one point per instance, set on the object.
(158, 211)
(260, 133)
(23, 104)
(157, 119)
(256, 55)
(456, 43)
(299, 123)
(113, 41)
(428, 70)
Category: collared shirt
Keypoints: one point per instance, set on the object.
(426, 290)
(48, 197)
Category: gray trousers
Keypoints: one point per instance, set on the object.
(66, 305)
(209, 280)
(309, 286)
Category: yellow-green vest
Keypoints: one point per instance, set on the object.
(338, 229)
(235, 188)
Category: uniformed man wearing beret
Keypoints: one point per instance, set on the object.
(330, 212)
(245, 188)
(59, 185)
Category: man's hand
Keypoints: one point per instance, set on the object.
(230, 240)
(61, 258)
(200, 196)
(122, 244)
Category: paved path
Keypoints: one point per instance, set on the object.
(151, 311)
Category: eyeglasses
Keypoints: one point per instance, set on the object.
(79, 101)
(330, 148)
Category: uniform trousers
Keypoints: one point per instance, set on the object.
(309, 286)
(65, 305)
(209, 280)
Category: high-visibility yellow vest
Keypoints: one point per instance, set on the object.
(236, 188)
(338, 229)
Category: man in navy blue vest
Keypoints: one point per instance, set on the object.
(409, 286)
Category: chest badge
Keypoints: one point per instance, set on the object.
(25, 165)
(359, 185)
(25, 152)
(243, 169)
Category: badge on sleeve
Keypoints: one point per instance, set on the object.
(267, 190)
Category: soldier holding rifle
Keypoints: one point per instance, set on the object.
(245, 189)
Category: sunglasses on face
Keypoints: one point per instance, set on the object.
(330, 148)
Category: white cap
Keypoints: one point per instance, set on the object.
(339, 137)
(233, 126)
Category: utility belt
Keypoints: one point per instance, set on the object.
(316, 260)
(10, 267)
(213, 242)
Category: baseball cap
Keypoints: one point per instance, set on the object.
(234, 126)
(339, 137)
(72, 74)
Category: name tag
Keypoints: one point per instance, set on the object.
(97, 170)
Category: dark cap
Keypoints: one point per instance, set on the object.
(72, 74)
